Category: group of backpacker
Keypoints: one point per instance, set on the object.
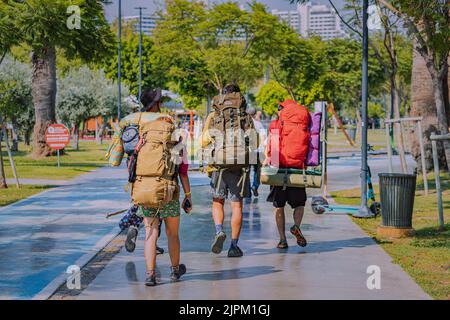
(233, 142)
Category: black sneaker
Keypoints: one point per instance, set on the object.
(235, 252)
(130, 243)
(159, 250)
(217, 245)
(177, 272)
(255, 192)
(151, 280)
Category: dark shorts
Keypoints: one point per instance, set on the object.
(295, 197)
(230, 185)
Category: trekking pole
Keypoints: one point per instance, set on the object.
(110, 215)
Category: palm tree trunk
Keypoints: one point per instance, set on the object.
(44, 96)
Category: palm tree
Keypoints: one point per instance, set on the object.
(44, 26)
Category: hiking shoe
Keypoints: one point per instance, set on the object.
(217, 245)
(151, 280)
(301, 241)
(235, 252)
(130, 243)
(282, 244)
(159, 250)
(255, 192)
(177, 272)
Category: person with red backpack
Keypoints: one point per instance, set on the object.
(287, 148)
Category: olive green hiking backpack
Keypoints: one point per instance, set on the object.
(232, 147)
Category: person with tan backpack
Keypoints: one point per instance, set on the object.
(227, 150)
(156, 165)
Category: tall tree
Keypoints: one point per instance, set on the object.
(45, 25)
(76, 99)
(8, 32)
(269, 97)
(386, 46)
(429, 24)
(203, 48)
(15, 100)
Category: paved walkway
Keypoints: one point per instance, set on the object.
(44, 234)
(333, 266)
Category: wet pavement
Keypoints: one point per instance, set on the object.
(333, 266)
(44, 234)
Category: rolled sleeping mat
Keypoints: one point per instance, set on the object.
(291, 178)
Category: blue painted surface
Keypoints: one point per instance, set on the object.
(43, 235)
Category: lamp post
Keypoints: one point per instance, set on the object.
(140, 50)
(364, 211)
(119, 64)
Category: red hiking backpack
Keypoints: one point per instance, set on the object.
(289, 137)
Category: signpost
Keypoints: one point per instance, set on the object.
(57, 137)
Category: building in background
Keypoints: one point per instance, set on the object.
(313, 19)
(292, 18)
(321, 20)
(148, 23)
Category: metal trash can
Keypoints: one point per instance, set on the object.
(397, 193)
(351, 133)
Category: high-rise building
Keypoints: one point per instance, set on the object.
(320, 20)
(313, 19)
(148, 23)
(292, 18)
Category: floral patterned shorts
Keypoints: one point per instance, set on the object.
(171, 210)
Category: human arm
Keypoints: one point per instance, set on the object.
(206, 138)
(184, 179)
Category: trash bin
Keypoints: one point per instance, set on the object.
(351, 133)
(397, 193)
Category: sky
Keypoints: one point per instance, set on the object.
(152, 5)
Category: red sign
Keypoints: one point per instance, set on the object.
(57, 136)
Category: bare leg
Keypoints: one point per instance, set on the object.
(298, 216)
(218, 211)
(236, 219)
(151, 237)
(172, 231)
(281, 221)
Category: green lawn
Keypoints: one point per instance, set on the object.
(90, 156)
(12, 194)
(426, 256)
(376, 138)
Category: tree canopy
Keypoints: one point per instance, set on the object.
(203, 49)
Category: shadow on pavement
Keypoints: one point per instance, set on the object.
(316, 247)
(238, 273)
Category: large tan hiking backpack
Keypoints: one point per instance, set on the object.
(231, 147)
(156, 170)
